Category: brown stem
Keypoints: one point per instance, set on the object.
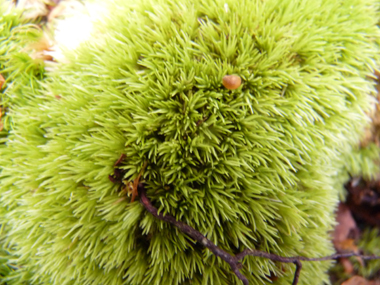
(234, 260)
(136, 182)
(297, 272)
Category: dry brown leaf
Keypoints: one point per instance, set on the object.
(41, 48)
(355, 280)
(346, 225)
(32, 9)
(358, 280)
(347, 265)
(348, 245)
(57, 10)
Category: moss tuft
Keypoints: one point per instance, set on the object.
(254, 167)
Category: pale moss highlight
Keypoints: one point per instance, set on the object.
(256, 167)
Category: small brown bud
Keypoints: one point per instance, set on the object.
(231, 82)
(2, 81)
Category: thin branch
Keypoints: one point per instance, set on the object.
(234, 260)
(194, 234)
(136, 182)
(297, 272)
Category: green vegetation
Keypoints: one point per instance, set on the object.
(257, 167)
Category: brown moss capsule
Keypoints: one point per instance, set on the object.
(231, 82)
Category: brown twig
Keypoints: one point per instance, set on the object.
(120, 160)
(234, 260)
(117, 176)
(136, 182)
(200, 122)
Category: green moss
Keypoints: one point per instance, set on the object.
(5, 268)
(251, 168)
(21, 73)
(19, 69)
(364, 162)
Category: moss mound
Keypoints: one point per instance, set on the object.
(256, 167)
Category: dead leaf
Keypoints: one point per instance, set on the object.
(32, 9)
(349, 245)
(358, 280)
(347, 265)
(57, 10)
(41, 48)
(346, 225)
(342, 237)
